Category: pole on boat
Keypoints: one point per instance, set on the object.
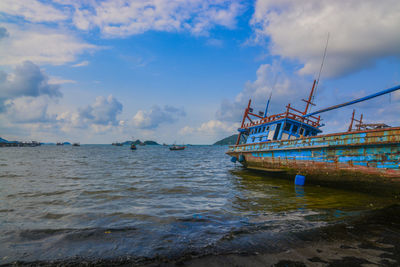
(266, 108)
(309, 98)
(243, 120)
(354, 101)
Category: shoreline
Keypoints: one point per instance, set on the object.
(373, 238)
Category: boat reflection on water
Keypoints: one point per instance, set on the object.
(264, 197)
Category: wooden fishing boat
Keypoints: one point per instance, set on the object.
(291, 143)
(175, 147)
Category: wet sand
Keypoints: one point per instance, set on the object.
(369, 240)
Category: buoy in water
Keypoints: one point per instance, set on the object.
(299, 180)
(233, 159)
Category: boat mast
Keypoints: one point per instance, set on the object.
(243, 120)
(266, 108)
(309, 98)
(355, 101)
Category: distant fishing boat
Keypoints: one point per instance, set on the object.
(133, 146)
(117, 144)
(59, 144)
(76, 144)
(175, 147)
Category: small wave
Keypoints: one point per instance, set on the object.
(7, 210)
(38, 194)
(95, 192)
(53, 216)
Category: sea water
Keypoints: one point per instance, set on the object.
(105, 202)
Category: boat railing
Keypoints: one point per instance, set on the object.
(375, 136)
(290, 113)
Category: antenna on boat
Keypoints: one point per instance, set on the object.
(270, 95)
(322, 63)
(315, 84)
(266, 108)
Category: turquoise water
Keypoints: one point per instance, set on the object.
(103, 201)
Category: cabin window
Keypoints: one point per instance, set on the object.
(253, 138)
(278, 127)
(267, 128)
(287, 127)
(306, 133)
(259, 130)
(294, 128)
(263, 129)
(301, 131)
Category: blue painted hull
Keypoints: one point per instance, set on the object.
(372, 155)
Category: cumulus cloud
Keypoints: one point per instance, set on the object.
(3, 33)
(103, 111)
(26, 80)
(270, 78)
(32, 10)
(28, 110)
(216, 126)
(123, 18)
(151, 119)
(119, 18)
(210, 130)
(41, 45)
(361, 32)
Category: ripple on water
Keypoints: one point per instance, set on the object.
(106, 201)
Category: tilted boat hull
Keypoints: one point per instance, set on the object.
(371, 156)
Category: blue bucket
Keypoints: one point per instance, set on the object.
(299, 180)
(233, 159)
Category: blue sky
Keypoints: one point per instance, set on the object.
(182, 71)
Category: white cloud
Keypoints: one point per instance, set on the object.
(103, 111)
(216, 126)
(150, 119)
(81, 64)
(215, 42)
(270, 78)
(26, 80)
(187, 130)
(41, 45)
(28, 110)
(58, 80)
(118, 18)
(32, 10)
(361, 32)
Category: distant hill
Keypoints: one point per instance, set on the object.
(231, 140)
(138, 142)
(151, 143)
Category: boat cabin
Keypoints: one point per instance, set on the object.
(284, 129)
(288, 125)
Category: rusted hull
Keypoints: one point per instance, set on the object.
(364, 156)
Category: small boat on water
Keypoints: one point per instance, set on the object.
(60, 144)
(133, 146)
(175, 147)
(117, 144)
(76, 144)
(290, 142)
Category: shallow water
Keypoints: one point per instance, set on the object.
(102, 201)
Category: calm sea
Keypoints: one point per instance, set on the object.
(102, 201)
